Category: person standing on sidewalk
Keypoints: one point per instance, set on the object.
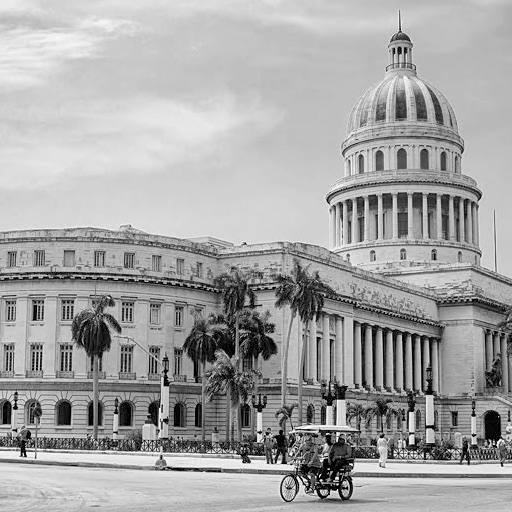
(382, 446)
(268, 444)
(23, 436)
(502, 450)
(465, 451)
(282, 447)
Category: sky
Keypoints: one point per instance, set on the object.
(224, 118)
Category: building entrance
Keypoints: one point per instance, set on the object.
(492, 425)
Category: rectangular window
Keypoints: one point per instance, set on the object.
(39, 259)
(178, 360)
(180, 266)
(349, 229)
(9, 357)
(199, 269)
(153, 365)
(10, 310)
(455, 419)
(68, 309)
(156, 263)
(11, 258)
(361, 228)
(36, 357)
(129, 260)
(66, 358)
(99, 258)
(154, 314)
(100, 364)
(402, 225)
(38, 310)
(178, 316)
(127, 308)
(126, 358)
(69, 258)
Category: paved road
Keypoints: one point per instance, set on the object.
(47, 488)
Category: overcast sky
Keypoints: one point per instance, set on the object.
(224, 117)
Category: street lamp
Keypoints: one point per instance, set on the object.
(430, 435)
(14, 415)
(411, 402)
(259, 406)
(164, 401)
(329, 397)
(473, 423)
(404, 426)
(115, 425)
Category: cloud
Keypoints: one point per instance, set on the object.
(134, 136)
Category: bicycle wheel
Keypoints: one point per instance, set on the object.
(289, 488)
(323, 492)
(345, 488)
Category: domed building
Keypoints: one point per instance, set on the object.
(410, 295)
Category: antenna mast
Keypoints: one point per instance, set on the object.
(399, 21)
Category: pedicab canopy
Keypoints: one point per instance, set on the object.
(325, 429)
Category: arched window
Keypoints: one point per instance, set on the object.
(63, 412)
(388, 422)
(125, 414)
(379, 422)
(436, 420)
(401, 159)
(433, 255)
(179, 414)
(349, 168)
(198, 416)
(373, 257)
(459, 257)
(399, 422)
(245, 415)
(403, 254)
(379, 161)
(5, 412)
(347, 257)
(476, 259)
(418, 420)
(90, 411)
(323, 415)
(310, 414)
(29, 411)
(424, 159)
(457, 164)
(443, 161)
(360, 163)
(153, 411)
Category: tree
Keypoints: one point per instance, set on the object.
(304, 294)
(90, 330)
(382, 410)
(356, 411)
(284, 414)
(200, 345)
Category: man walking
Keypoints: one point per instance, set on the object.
(282, 447)
(23, 436)
(465, 451)
(268, 444)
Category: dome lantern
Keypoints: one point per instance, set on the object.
(400, 51)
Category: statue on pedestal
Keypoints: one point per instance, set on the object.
(493, 376)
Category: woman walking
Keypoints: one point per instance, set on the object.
(382, 446)
(502, 450)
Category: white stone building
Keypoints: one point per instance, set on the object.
(403, 257)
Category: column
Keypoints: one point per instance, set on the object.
(338, 351)
(337, 223)
(410, 216)
(426, 361)
(345, 222)
(461, 220)
(325, 361)
(348, 351)
(408, 362)
(368, 355)
(357, 355)
(469, 233)
(417, 363)
(504, 363)
(439, 218)
(331, 227)
(509, 368)
(424, 215)
(380, 218)
(399, 358)
(366, 218)
(473, 212)
(354, 220)
(435, 365)
(312, 358)
(389, 361)
(395, 215)
(451, 218)
(379, 359)
(488, 350)
(477, 225)
(496, 345)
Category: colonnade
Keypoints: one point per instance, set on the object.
(365, 218)
(496, 343)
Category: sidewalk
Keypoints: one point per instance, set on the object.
(231, 464)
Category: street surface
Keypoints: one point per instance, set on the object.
(68, 489)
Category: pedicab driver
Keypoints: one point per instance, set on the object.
(338, 456)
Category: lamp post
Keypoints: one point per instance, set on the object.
(329, 397)
(115, 425)
(430, 436)
(411, 403)
(14, 415)
(259, 406)
(473, 423)
(341, 404)
(404, 426)
(164, 401)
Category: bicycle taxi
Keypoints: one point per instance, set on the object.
(290, 484)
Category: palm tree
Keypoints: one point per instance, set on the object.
(284, 414)
(90, 330)
(356, 411)
(304, 294)
(200, 346)
(382, 410)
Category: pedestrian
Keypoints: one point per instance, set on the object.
(382, 446)
(502, 450)
(23, 437)
(268, 444)
(326, 449)
(281, 447)
(244, 453)
(160, 464)
(465, 451)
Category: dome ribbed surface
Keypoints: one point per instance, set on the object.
(400, 36)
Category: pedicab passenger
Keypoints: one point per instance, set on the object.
(326, 449)
(338, 457)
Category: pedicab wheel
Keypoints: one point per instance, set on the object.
(289, 488)
(323, 492)
(345, 489)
